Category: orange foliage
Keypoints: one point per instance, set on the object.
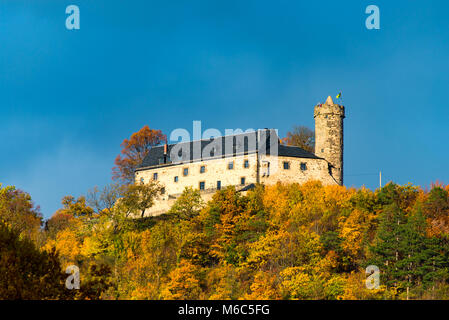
(182, 283)
(134, 151)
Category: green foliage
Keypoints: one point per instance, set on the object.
(188, 204)
(136, 198)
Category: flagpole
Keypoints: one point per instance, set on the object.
(340, 97)
(380, 179)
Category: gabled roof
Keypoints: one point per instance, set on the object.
(225, 146)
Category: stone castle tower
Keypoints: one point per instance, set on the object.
(329, 136)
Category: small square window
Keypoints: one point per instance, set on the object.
(242, 180)
(246, 164)
(155, 176)
(163, 191)
(286, 165)
(176, 179)
(303, 166)
(185, 172)
(202, 169)
(322, 150)
(231, 165)
(202, 185)
(218, 185)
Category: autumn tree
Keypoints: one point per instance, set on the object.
(134, 151)
(18, 210)
(26, 272)
(183, 283)
(76, 207)
(436, 209)
(104, 198)
(139, 197)
(188, 204)
(284, 241)
(58, 222)
(302, 137)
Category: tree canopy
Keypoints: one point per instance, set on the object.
(134, 151)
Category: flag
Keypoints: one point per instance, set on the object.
(339, 95)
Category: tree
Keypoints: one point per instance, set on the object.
(139, 197)
(302, 137)
(26, 272)
(134, 151)
(105, 198)
(77, 208)
(188, 205)
(58, 222)
(18, 210)
(388, 249)
(183, 283)
(423, 261)
(436, 209)
(263, 287)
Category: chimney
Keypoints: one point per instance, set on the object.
(165, 152)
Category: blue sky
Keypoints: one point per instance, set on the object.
(69, 97)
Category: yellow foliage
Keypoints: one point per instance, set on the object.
(264, 287)
(182, 283)
(67, 245)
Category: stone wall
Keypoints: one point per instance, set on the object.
(217, 170)
(315, 169)
(329, 136)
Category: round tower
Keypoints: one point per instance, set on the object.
(329, 136)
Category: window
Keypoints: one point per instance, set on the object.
(155, 176)
(322, 150)
(246, 164)
(141, 180)
(231, 165)
(185, 172)
(218, 185)
(242, 180)
(303, 166)
(266, 168)
(202, 169)
(286, 165)
(163, 191)
(176, 179)
(202, 185)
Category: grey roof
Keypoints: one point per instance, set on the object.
(225, 146)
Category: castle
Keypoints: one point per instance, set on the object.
(245, 159)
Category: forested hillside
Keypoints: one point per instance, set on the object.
(278, 242)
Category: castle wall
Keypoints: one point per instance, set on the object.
(316, 169)
(215, 170)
